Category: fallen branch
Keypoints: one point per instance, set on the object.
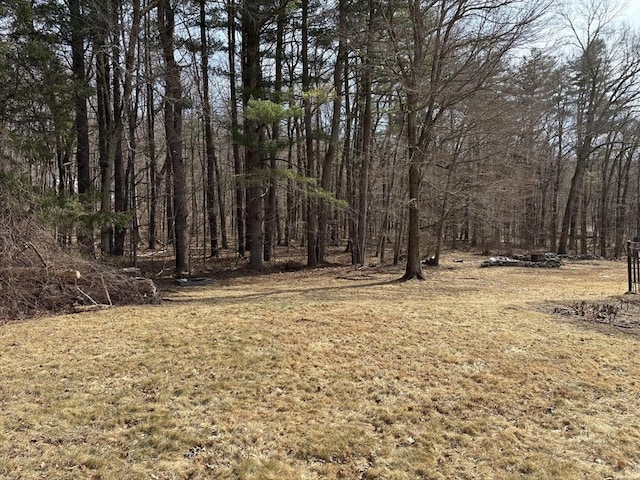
(90, 299)
(105, 289)
(35, 249)
(90, 308)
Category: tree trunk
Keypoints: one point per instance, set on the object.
(312, 233)
(81, 117)
(173, 129)
(105, 141)
(130, 176)
(151, 145)
(622, 196)
(119, 206)
(584, 209)
(77, 23)
(235, 129)
(208, 136)
(414, 267)
(571, 208)
(222, 205)
(365, 154)
(254, 131)
(270, 221)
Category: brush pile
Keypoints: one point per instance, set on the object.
(38, 276)
(548, 260)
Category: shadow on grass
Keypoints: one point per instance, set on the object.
(252, 296)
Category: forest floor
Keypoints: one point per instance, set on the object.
(493, 373)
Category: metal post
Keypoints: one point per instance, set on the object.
(629, 266)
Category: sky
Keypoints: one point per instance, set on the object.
(631, 11)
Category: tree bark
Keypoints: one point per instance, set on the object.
(106, 144)
(173, 129)
(622, 195)
(81, 122)
(270, 221)
(254, 131)
(334, 139)
(81, 92)
(208, 136)
(414, 267)
(312, 226)
(365, 145)
(151, 143)
(238, 168)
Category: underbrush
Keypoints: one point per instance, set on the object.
(38, 276)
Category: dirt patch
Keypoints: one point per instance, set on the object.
(620, 312)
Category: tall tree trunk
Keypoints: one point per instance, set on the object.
(124, 106)
(208, 135)
(254, 131)
(416, 147)
(222, 205)
(151, 143)
(571, 208)
(584, 212)
(586, 121)
(622, 196)
(553, 226)
(235, 129)
(334, 138)
(312, 254)
(106, 144)
(270, 215)
(290, 202)
(85, 237)
(607, 170)
(118, 231)
(173, 129)
(413, 267)
(347, 162)
(131, 200)
(169, 217)
(365, 153)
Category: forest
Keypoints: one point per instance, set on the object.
(391, 128)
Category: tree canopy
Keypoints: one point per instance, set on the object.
(401, 124)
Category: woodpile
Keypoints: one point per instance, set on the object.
(548, 260)
(29, 291)
(39, 277)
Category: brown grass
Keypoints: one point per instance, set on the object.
(330, 374)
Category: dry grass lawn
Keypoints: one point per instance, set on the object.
(330, 374)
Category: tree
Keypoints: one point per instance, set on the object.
(334, 135)
(444, 52)
(365, 139)
(173, 129)
(208, 133)
(605, 84)
(312, 254)
(253, 127)
(81, 93)
(235, 128)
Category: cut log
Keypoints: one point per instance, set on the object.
(64, 275)
(131, 270)
(67, 275)
(146, 287)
